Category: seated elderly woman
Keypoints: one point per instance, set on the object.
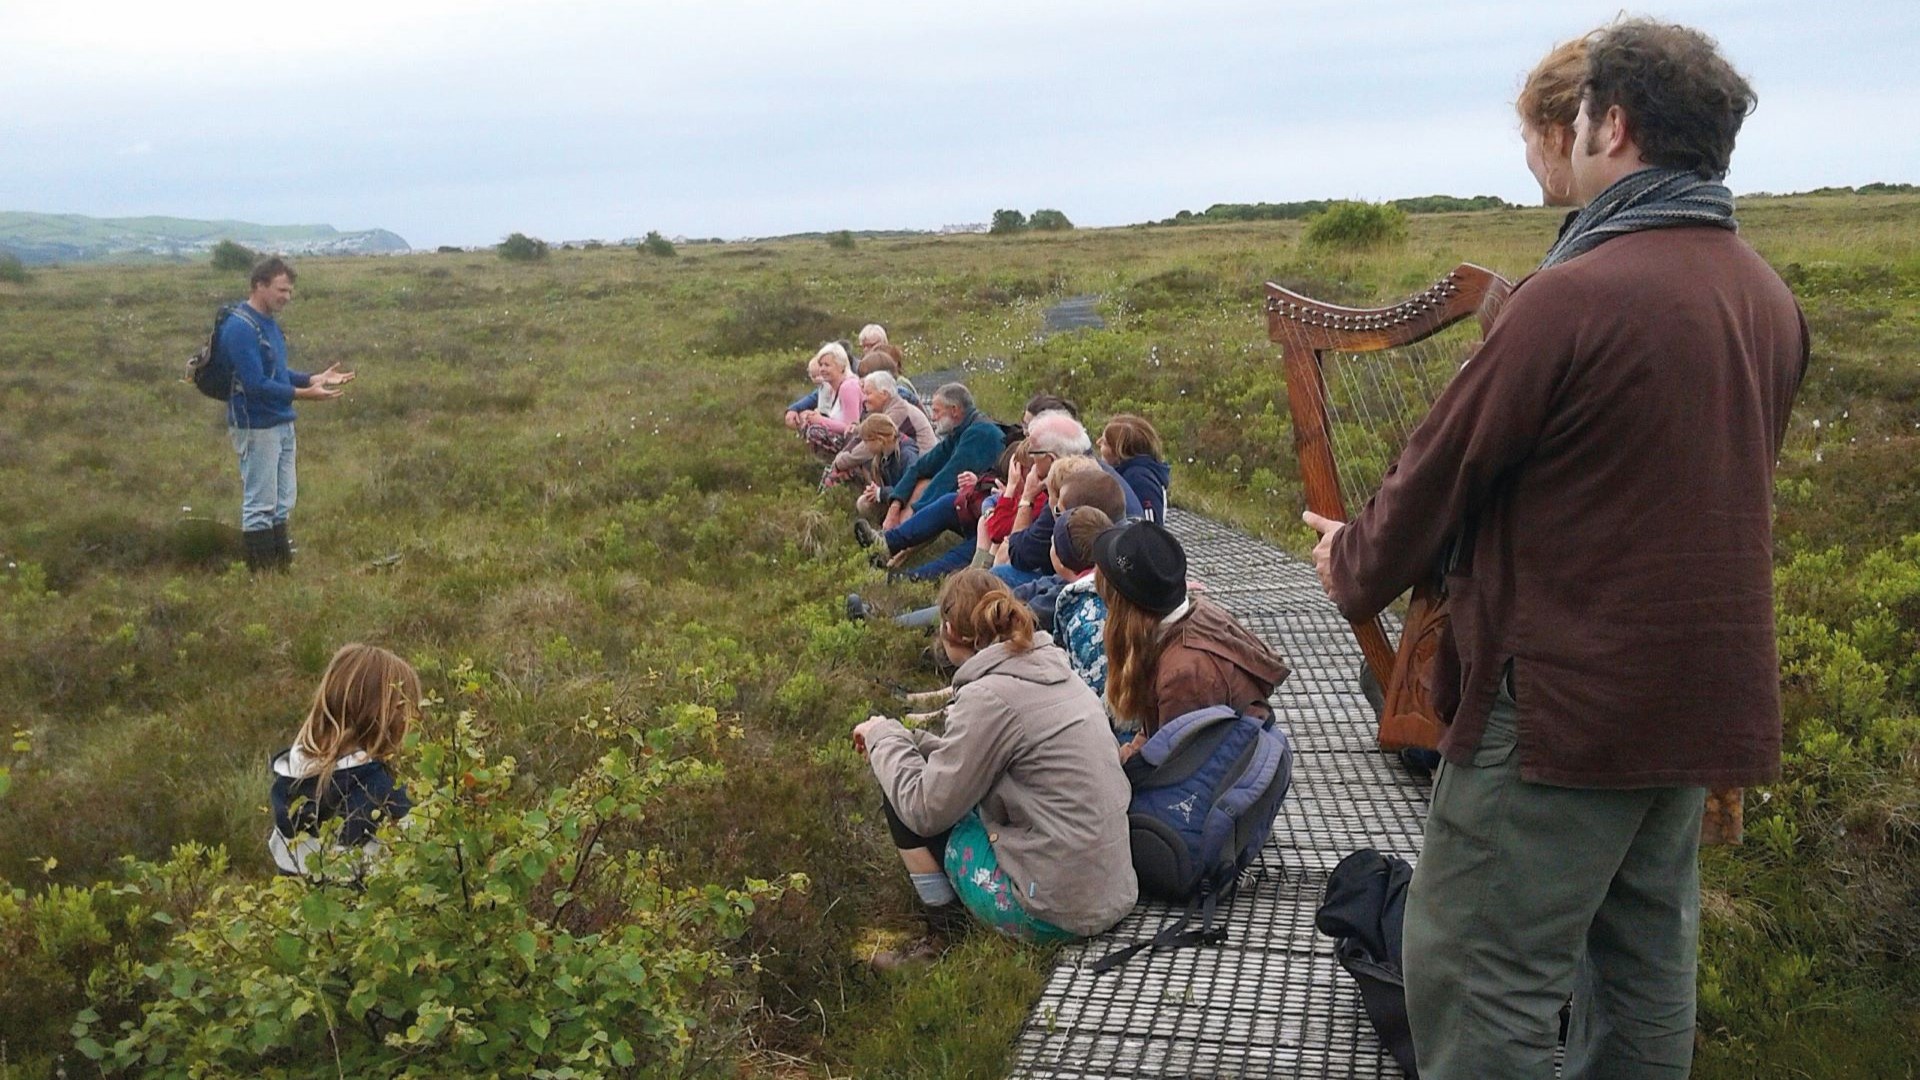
(880, 393)
(829, 425)
(1017, 812)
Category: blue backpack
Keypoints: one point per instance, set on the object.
(1206, 789)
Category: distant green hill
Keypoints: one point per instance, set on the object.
(49, 238)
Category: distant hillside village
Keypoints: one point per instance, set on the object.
(39, 239)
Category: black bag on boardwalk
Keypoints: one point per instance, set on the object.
(1363, 913)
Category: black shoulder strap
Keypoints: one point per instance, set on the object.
(1176, 936)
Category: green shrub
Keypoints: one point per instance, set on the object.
(1180, 287)
(1357, 225)
(491, 936)
(71, 948)
(655, 244)
(765, 322)
(234, 257)
(840, 241)
(1049, 221)
(520, 247)
(12, 270)
(1006, 222)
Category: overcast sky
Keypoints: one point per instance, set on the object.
(458, 121)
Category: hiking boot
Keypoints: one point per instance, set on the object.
(946, 925)
(262, 550)
(858, 610)
(917, 953)
(866, 535)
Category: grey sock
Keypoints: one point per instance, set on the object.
(934, 889)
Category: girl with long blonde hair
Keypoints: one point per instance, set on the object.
(337, 766)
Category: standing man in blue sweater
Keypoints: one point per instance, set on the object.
(260, 411)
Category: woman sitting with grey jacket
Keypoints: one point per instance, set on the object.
(1017, 813)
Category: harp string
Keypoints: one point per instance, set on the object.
(1375, 400)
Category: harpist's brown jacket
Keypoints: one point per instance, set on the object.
(1608, 457)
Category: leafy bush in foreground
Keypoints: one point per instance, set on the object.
(490, 938)
(655, 244)
(1357, 225)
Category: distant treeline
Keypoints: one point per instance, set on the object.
(1306, 208)
(1863, 189)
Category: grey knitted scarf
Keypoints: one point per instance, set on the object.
(1649, 199)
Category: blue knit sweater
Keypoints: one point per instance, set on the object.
(253, 344)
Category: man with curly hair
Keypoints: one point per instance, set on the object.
(1598, 482)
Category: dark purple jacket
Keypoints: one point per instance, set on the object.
(1608, 457)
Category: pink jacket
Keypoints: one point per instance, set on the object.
(842, 412)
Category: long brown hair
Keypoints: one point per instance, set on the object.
(1133, 655)
(366, 699)
(977, 610)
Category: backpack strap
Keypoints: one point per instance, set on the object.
(1181, 730)
(1176, 936)
(242, 312)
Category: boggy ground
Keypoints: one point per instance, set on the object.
(572, 474)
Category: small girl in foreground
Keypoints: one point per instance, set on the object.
(337, 765)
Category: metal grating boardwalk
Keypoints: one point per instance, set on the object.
(1271, 1002)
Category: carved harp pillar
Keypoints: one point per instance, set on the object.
(1358, 381)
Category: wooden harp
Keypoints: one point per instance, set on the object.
(1358, 381)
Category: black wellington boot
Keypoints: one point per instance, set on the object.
(282, 546)
(263, 553)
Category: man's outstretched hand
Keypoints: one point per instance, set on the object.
(331, 377)
(1323, 551)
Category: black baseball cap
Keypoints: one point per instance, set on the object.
(1144, 563)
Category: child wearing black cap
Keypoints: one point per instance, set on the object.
(1169, 653)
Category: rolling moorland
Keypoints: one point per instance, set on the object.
(561, 489)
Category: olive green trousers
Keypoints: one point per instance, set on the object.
(1526, 894)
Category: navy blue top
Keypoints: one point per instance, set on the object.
(1146, 477)
(253, 344)
(362, 795)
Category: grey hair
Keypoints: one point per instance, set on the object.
(883, 381)
(837, 351)
(1057, 432)
(872, 334)
(956, 395)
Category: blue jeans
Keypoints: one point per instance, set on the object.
(928, 522)
(1016, 577)
(957, 557)
(266, 475)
